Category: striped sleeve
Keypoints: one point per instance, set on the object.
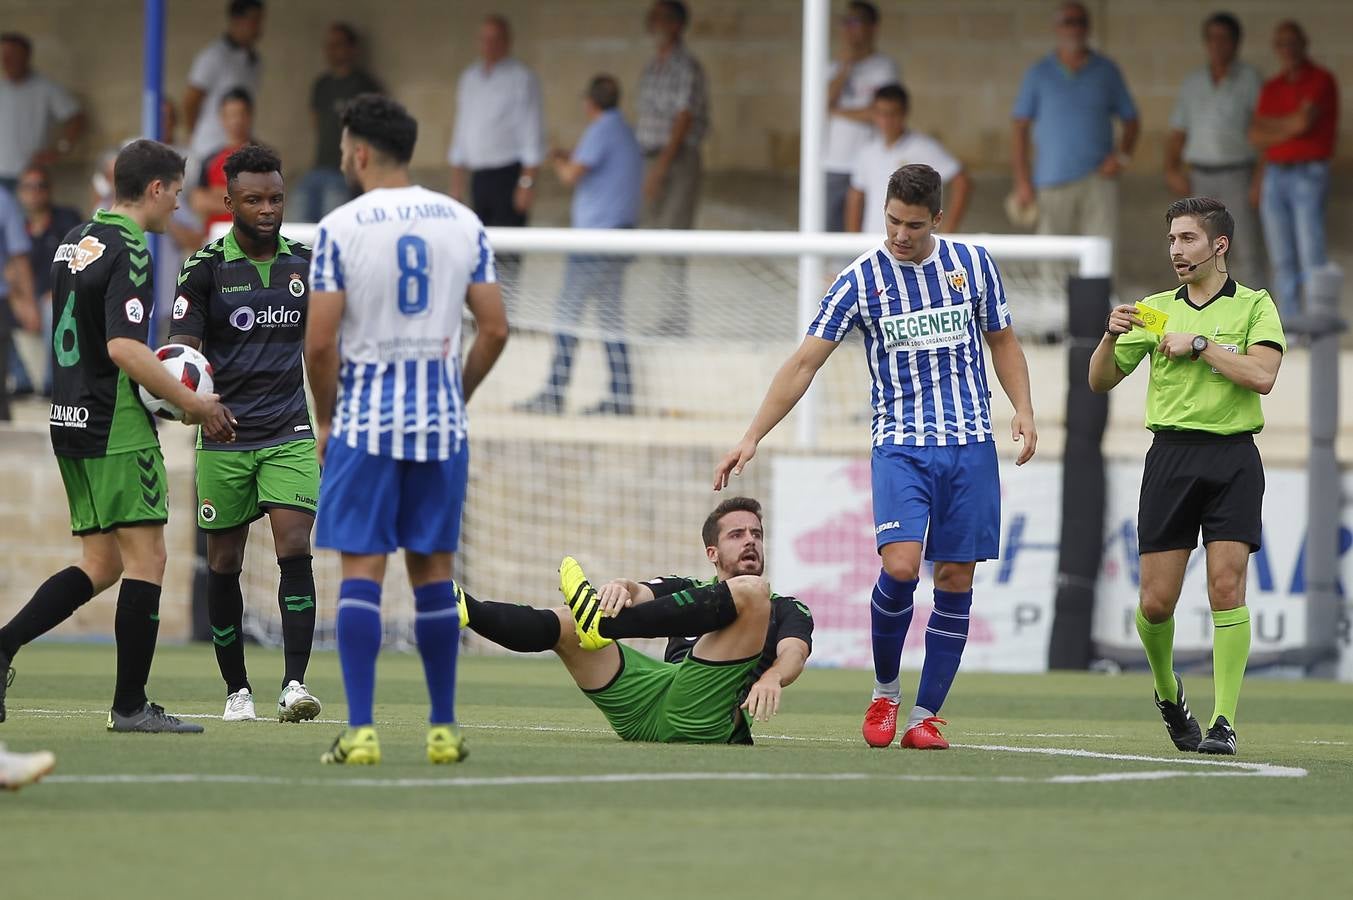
(993, 312)
(326, 264)
(485, 270)
(840, 309)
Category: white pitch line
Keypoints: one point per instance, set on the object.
(1326, 743)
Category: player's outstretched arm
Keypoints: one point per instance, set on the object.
(1007, 358)
(485, 300)
(142, 367)
(323, 316)
(786, 389)
(763, 700)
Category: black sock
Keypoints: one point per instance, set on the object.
(296, 601)
(136, 626)
(53, 603)
(525, 629)
(685, 613)
(225, 612)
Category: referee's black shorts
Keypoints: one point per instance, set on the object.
(1197, 480)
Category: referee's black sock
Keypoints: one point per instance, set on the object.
(225, 613)
(525, 629)
(136, 626)
(53, 603)
(683, 614)
(296, 602)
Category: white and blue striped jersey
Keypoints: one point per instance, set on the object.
(921, 325)
(404, 257)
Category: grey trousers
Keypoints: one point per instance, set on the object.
(1231, 185)
(674, 207)
(838, 186)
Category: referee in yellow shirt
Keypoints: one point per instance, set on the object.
(1222, 350)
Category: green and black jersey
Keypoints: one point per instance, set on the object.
(250, 317)
(788, 618)
(101, 289)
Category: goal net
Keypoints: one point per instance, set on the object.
(673, 338)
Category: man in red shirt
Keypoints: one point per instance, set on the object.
(237, 118)
(1294, 125)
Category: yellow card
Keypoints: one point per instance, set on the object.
(1153, 319)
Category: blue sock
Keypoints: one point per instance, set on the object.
(945, 636)
(436, 627)
(889, 618)
(359, 641)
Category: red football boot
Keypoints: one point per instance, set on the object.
(880, 722)
(925, 736)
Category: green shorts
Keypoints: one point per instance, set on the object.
(108, 492)
(235, 487)
(690, 702)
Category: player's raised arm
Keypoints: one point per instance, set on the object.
(786, 388)
(485, 300)
(321, 359)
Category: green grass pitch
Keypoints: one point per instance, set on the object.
(550, 804)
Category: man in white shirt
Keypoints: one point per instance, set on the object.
(892, 147)
(226, 63)
(497, 143)
(860, 72)
(29, 106)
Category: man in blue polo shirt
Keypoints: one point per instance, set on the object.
(1069, 100)
(606, 173)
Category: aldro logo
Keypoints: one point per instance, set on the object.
(246, 318)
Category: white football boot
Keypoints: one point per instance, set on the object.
(297, 704)
(240, 707)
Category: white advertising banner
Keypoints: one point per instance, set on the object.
(822, 551)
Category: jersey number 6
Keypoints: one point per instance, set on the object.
(412, 252)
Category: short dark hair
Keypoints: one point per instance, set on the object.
(916, 185)
(141, 163)
(1212, 215)
(677, 10)
(346, 30)
(895, 93)
(867, 11)
(240, 94)
(1225, 20)
(14, 37)
(384, 124)
(604, 91)
(710, 531)
(251, 158)
(237, 8)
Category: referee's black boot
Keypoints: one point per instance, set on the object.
(1180, 724)
(1220, 740)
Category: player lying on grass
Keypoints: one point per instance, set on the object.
(751, 643)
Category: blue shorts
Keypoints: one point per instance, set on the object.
(955, 490)
(375, 504)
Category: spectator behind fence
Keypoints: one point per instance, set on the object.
(673, 120)
(605, 171)
(227, 63)
(39, 120)
(855, 80)
(47, 224)
(498, 140)
(1069, 100)
(324, 188)
(892, 147)
(237, 124)
(1295, 125)
(16, 288)
(1208, 132)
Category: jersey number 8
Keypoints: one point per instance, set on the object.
(412, 252)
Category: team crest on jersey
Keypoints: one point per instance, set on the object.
(958, 280)
(81, 256)
(296, 285)
(135, 311)
(180, 307)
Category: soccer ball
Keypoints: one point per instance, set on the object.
(189, 367)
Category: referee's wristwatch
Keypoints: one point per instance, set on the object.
(1199, 345)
